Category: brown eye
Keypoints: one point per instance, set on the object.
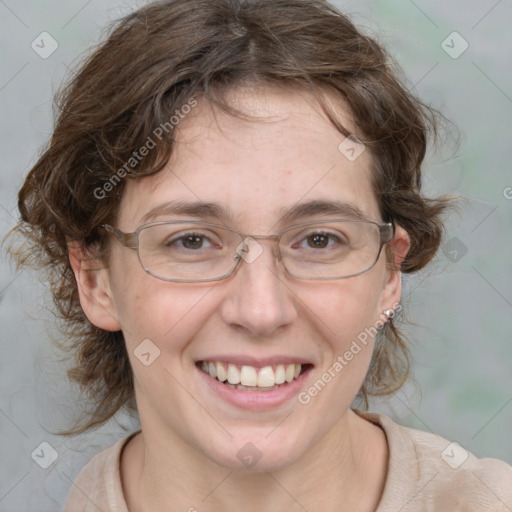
(189, 241)
(318, 241)
(192, 241)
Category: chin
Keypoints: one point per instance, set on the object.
(256, 453)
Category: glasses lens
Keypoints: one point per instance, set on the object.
(329, 250)
(187, 251)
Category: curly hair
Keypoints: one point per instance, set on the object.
(154, 62)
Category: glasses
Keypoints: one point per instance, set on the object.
(195, 251)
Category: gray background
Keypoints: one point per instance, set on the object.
(461, 304)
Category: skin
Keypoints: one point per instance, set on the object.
(319, 456)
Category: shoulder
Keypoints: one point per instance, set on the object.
(428, 472)
(98, 485)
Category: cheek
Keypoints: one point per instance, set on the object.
(159, 322)
(149, 308)
(163, 315)
(347, 321)
(347, 307)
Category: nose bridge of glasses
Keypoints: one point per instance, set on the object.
(250, 248)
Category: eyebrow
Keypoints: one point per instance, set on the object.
(321, 207)
(199, 209)
(192, 209)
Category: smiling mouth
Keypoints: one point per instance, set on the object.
(250, 378)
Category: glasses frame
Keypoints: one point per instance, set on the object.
(131, 241)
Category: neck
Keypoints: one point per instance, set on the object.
(343, 471)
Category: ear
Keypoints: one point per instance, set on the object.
(93, 287)
(397, 250)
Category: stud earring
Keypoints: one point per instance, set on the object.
(387, 314)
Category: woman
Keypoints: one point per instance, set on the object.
(230, 195)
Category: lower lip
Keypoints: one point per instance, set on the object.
(255, 400)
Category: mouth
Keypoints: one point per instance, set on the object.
(252, 378)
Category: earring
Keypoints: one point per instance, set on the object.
(387, 314)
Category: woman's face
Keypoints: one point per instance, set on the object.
(254, 172)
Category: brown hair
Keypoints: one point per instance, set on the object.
(153, 63)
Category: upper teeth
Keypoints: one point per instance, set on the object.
(250, 376)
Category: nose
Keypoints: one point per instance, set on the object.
(258, 299)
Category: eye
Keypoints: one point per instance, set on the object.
(189, 241)
(321, 240)
(318, 240)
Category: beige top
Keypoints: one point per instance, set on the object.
(426, 473)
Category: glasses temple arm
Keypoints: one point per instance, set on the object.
(129, 240)
(387, 232)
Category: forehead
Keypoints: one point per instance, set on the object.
(286, 154)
